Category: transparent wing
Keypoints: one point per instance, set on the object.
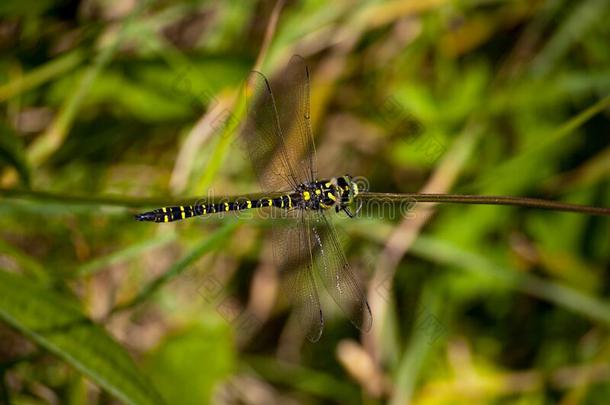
(278, 138)
(263, 137)
(293, 99)
(277, 130)
(294, 253)
(336, 273)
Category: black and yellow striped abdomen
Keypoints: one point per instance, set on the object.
(169, 214)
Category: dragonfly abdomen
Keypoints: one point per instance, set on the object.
(319, 195)
(176, 213)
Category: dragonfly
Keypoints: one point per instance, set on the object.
(278, 138)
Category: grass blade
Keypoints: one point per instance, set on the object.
(181, 265)
(58, 325)
(124, 254)
(40, 75)
(564, 297)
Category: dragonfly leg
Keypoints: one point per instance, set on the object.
(348, 212)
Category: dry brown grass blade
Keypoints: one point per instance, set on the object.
(400, 240)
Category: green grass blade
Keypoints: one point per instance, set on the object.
(564, 297)
(58, 325)
(583, 17)
(40, 75)
(415, 353)
(181, 265)
(515, 163)
(45, 145)
(25, 262)
(124, 254)
(301, 379)
(47, 198)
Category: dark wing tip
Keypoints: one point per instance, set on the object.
(315, 330)
(367, 317)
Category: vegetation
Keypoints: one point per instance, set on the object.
(109, 107)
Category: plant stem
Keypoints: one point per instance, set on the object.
(130, 202)
(486, 200)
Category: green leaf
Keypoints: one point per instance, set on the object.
(58, 325)
(176, 371)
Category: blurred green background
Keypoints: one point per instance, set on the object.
(142, 99)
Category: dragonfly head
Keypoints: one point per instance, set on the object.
(348, 187)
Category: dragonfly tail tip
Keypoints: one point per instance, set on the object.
(146, 216)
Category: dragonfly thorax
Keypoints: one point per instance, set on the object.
(337, 192)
